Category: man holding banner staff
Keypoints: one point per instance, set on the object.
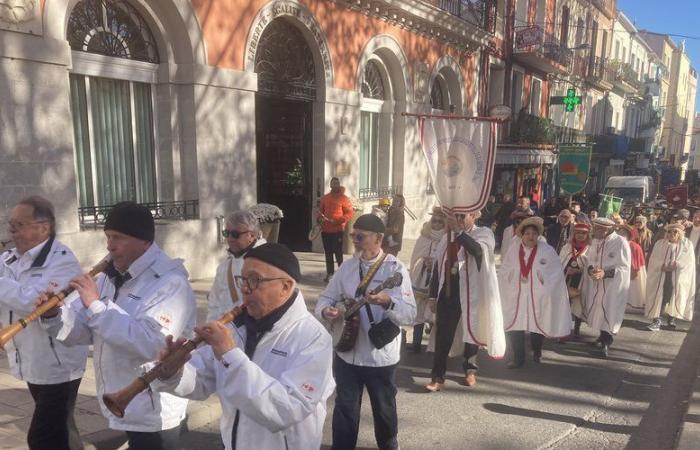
(51, 370)
(466, 290)
(126, 313)
(273, 371)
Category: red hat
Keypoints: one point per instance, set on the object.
(582, 227)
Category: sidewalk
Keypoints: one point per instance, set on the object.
(16, 405)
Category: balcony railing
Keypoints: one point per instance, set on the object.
(534, 39)
(580, 66)
(531, 129)
(481, 13)
(379, 192)
(624, 72)
(94, 216)
(566, 135)
(599, 70)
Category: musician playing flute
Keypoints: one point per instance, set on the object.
(467, 294)
(366, 365)
(126, 313)
(272, 369)
(606, 282)
(242, 233)
(51, 370)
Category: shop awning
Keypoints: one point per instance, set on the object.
(512, 155)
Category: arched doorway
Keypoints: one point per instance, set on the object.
(284, 126)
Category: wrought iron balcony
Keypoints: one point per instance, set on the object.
(94, 216)
(541, 50)
(379, 192)
(481, 13)
(626, 78)
(600, 74)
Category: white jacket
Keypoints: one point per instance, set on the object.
(219, 300)
(402, 312)
(129, 331)
(281, 394)
(34, 355)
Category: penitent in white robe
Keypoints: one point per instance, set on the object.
(604, 300)
(482, 319)
(565, 256)
(422, 261)
(682, 299)
(540, 303)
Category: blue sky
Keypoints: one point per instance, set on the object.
(669, 17)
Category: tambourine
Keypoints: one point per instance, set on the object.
(315, 231)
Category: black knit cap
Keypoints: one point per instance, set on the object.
(370, 222)
(131, 219)
(279, 256)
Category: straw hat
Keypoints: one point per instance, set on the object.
(537, 222)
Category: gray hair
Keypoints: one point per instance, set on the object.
(247, 219)
(42, 210)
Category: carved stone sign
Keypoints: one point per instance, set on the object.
(288, 8)
(20, 15)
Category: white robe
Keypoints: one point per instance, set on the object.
(604, 300)
(482, 318)
(422, 261)
(540, 304)
(565, 256)
(638, 289)
(682, 300)
(509, 237)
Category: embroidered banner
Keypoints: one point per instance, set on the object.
(460, 156)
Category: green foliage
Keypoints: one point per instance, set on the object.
(529, 129)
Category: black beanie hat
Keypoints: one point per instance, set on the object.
(277, 255)
(370, 222)
(132, 219)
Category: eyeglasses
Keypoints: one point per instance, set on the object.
(233, 233)
(250, 284)
(358, 236)
(17, 225)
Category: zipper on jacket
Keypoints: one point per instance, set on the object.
(53, 349)
(18, 358)
(286, 445)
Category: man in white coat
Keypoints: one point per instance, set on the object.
(466, 288)
(606, 282)
(272, 370)
(671, 279)
(126, 313)
(533, 292)
(51, 370)
(242, 233)
(365, 365)
(509, 235)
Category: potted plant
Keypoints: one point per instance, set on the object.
(269, 217)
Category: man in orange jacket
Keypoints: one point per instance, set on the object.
(335, 211)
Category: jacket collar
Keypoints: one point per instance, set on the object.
(295, 312)
(39, 253)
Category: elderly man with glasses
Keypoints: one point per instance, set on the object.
(242, 233)
(671, 279)
(560, 233)
(644, 235)
(369, 363)
(272, 369)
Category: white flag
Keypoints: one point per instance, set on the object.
(460, 155)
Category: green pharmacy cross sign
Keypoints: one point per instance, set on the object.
(569, 102)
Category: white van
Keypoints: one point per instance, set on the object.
(634, 190)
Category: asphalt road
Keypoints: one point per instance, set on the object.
(573, 399)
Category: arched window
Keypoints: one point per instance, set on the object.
(374, 164)
(114, 65)
(440, 94)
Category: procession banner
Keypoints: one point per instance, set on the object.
(677, 196)
(609, 205)
(460, 156)
(574, 165)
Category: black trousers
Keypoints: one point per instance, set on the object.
(517, 343)
(332, 245)
(449, 311)
(53, 424)
(381, 387)
(155, 440)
